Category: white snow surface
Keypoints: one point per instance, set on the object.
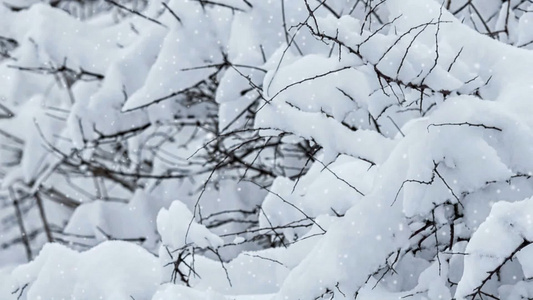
(420, 187)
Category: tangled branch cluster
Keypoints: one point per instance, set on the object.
(374, 134)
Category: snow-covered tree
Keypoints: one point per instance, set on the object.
(266, 149)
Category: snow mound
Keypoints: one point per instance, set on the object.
(111, 270)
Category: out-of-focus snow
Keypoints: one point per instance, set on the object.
(178, 228)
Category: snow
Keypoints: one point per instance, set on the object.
(250, 149)
(511, 224)
(170, 74)
(104, 219)
(170, 292)
(178, 228)
(111, 270)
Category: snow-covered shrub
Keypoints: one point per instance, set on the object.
(254, 149)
